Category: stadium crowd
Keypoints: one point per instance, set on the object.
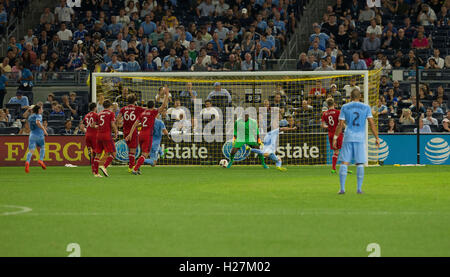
(214, 35)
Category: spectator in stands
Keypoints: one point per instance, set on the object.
(431, 64)
(219, 91)
(371, 43)
(177, 111)
(67, 105)
(318, 90)
(340, 63)
(303, 63)
(209, 111)
(121, 99)
(64, 34)
(159, 98)
(366, 15)
(3, 19)
(47, 17)
(205, 9)
(291, 127)
(100, 100)
(357, 64)
(437, 108)
(374, 28)
(63, 12)
(114, 64)
(57, 109)
(149, 64)
(188, 91)
(424, 128)
(401, 41)
(438, 60)
(4, 65)
(323, 38)
(446, 123)
(248, 64)
(278, 101)
(355, 43)
(3, 118)
(3, 84)
(392, 126)
(406, 117)
(325, 64)
(20, 99)
(420, 42)
(429, 119)
(232, 64)
(381, 106)
(426, 16)
(67, 128)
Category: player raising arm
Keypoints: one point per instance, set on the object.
(90, 121)
(36, 137)
(147, 119)
(129, 114)
(105, 122)
(158, 130)
(354, 115)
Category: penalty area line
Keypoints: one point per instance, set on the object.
(21, 210)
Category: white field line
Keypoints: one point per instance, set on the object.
(300, 213)
(21, 210)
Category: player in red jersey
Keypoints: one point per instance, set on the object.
(330, 120)
(105, 121)
(147, 119)
(90, 121)
(129, 114)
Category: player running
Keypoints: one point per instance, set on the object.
(90, 121)
(158, 130)
(330, 120)
(106, 121)
(36, 138)
(246, 132)
(147, 119)
(354, 115)
(130, 114)
(270, 144)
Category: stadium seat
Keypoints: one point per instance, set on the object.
(407, 128)
(9, 131)
(57, 117)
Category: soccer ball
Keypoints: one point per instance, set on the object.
(223, 163)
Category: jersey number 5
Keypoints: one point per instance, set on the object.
(102, 120)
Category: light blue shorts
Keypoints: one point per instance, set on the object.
(34, 141)
(353, 151)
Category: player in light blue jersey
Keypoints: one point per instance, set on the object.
(158, 130)
(36, 137)
(354, 115)
(269, 147)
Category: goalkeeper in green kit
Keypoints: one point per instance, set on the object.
(246, 132)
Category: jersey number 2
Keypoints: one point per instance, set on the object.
(356, 118)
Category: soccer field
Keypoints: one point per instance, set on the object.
(211, 211)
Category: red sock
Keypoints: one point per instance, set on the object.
(140, 162)
(92, 158)
(334, 160)
(108, 161)
(95, 166)
(131, 162)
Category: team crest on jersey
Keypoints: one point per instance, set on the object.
(240, 155)
(122, 151)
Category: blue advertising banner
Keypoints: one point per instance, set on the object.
(401, 149)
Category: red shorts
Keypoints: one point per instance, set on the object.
(145, 141)
(134, 142)
(91, 141)
(105, 143)
(339, 141)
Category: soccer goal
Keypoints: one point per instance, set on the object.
(204, 105)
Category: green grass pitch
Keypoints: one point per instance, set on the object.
(211, 211)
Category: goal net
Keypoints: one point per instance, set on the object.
(203, 107)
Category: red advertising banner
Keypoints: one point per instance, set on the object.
(59, 150)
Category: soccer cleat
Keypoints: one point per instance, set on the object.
(247, 148)
(44, 167)
(98, 175)
(359, 192)
(349, 172)
(281, 169)
(341, 192)
(333, 171)
(104, 171)
(229, 164)
(265, 166)
(27, 167)
(130, 170)
(135, 172)
(164, 153)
